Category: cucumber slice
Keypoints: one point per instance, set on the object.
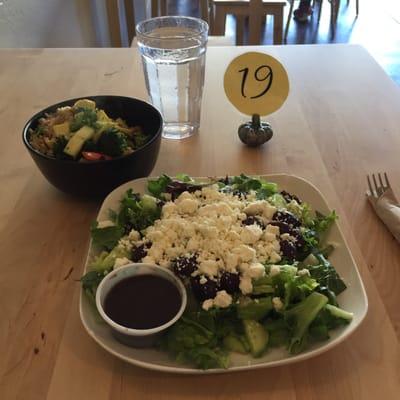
(254, 309)
(102, 116)
(244, 342)
(232, 343)
(257, 337)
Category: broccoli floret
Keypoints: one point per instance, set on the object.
(300, 317)
(112, 142)
(140, 139)
(330, 317)
(339, 313)
(89, 145)
(83, 117)
(58, 147)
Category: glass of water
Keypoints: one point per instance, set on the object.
(173, 52)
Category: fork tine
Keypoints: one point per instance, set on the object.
(375, 184)
(380, 181)
(386, 179)
(370, 186)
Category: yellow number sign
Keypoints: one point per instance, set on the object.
(256, 83)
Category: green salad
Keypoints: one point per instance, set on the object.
(252, 258)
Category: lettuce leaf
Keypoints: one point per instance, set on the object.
(325, 274)
(106, 238)
(138, 212)
(322, 222)
(158, 186)
(174, 186)
(194, 339)
(90, 281)
(105, 261)
(243, 184)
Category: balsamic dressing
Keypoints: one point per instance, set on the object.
(142, 302)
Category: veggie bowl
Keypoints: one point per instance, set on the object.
(88, 146)
(284, 304)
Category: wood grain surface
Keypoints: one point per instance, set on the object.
(340, 122)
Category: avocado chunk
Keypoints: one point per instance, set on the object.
(102, 116)
(85, 103)
(61, 129)
(75, 144)
(257, 337)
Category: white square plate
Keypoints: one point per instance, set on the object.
(353, 299)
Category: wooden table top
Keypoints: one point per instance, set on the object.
(340, 122)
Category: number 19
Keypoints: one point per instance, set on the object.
(260, 77)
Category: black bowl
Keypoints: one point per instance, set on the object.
(98, 178)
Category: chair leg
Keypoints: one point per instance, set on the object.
(333, 17)
(288, 20)
(219, 21)
(130, 19)
(240, 22)
(335, 4)
(357, 7)
(154, 8)
(278, 22)
(337, 7)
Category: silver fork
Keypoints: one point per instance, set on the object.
(379, 188)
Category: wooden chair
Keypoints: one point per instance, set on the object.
(158, 8)
(253, 10)
(357, 6)
(335, 5)
(116, 25)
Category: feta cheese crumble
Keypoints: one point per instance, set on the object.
(277, 303)
(303, 272)
(221, 300)
(274, 270)
(209, 224)
(119, 262)
(105, 224)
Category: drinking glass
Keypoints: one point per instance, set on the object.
(173, 52)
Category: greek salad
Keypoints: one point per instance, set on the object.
(252, 258)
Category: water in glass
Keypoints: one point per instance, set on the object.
(174, 73)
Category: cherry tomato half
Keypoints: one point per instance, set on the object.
(94, 156)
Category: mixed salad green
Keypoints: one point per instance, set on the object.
(291, 302)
